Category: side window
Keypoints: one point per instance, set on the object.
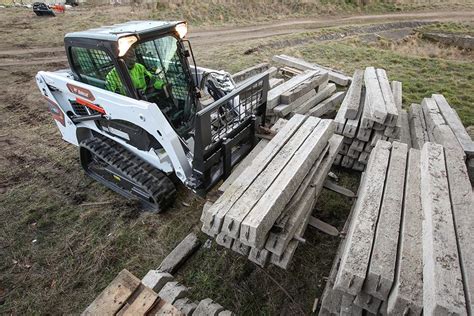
(96, 68)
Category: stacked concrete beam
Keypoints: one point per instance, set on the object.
(436, 121)
(278, 188)
(309, 90)
(408, 250)
(371, 111)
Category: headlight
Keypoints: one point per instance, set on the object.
(182, 29)
(124, 44)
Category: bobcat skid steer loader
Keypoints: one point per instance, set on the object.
(131, 103)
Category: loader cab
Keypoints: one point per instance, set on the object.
(144, 60)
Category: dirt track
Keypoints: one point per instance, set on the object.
(216, 36)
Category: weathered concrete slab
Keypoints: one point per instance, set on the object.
(180, 254)
(363, 134)
(328, 105)
(259, 256)
(290, 219)
(274, 82)
(283, 110)
(226, 313)
(462, 200)
(442, 280)
(224, 240)
(344, 149)
(363, 158)
(352, 125)
(353, 97)
(438, 130)
(303, 88)
(172, 291)
(337, 160)
(348, 308)
(367, 302)
(273, 97)
(185, 306)
(406, 296)
(376, 136)
(240, 248)
(320, 96)
(358, 166)
(381, 270)
(390, 106)
(246, 202)
(397, 94)
(213, 217)
(347, 162)
(375, 100)
(249, 72)
(208, 307)
(357, 145)
(416, 120)
(354, 154)
(257, 224)
(334, 76)
(359, 239)
(404, 133)
(452, 119)
(155, 279)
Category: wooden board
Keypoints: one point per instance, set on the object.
(114, 296)
(141, 302)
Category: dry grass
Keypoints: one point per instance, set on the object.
(56, 255)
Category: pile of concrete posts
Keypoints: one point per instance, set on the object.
(371, 111)
(264, 211)
(436, 121)
(408, 248)
(156, 294)
(308, 90)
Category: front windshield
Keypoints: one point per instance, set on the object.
(161, 58)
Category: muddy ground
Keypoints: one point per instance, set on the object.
(63, 237)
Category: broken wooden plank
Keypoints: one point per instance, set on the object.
(331, 185)
(141, 302)
(114, 296)
(258, 222)
(254, 192)
(180, 254)
(359, 239)
(442, 280)
(354, 95)
(323, 226)
(213, 217)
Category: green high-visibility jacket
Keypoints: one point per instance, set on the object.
(137, 74)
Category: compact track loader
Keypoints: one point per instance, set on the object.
(131, 102)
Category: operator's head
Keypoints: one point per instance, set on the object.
(130, 58)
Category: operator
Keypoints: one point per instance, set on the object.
(140, 76)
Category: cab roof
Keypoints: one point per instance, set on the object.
(114, 32)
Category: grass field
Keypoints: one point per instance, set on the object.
(58, 249)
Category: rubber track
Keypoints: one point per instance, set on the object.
(144, 175)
